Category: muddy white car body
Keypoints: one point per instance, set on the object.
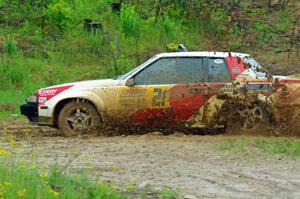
(183, 88)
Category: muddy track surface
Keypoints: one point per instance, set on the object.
(192, 163)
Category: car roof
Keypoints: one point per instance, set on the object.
(202, 54)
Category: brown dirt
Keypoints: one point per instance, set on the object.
(192, 163)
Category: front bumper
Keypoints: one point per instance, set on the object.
(30, 110)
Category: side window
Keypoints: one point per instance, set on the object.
(173, 71)
(217, 70)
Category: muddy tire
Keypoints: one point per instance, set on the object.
(78, 118)
(248, 119)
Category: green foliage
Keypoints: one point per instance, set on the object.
(130, 22)
(10, 45)
(27, 178)
(2, 2)
(233, 145)
(168, 193)
(213, 20)
(15, 72)
(265, 32)
(26, 29)
(170, 28)
(279, 145)
(284, 146)
(27, 181)
(60, 14)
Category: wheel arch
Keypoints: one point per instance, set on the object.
(59, 106)
(237, 103)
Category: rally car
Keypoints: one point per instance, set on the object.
(198, 89)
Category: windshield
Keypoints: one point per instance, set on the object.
(255, 66)
(125, 76)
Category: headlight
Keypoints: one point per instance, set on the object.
(32, 99)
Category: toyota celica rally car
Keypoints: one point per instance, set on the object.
(197, 89)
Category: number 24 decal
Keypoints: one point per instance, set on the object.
(160, 98)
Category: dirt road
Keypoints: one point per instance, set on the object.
(192, 163)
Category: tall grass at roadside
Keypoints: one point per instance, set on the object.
(27, 178)
(273, 145)
(24, 181)
(27, 181)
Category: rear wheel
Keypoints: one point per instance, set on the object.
(78, 118)
(248, 119)
(253, 117)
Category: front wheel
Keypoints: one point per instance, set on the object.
(78, 118)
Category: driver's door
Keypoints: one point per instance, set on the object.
(167, 91)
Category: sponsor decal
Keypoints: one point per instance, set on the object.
(42, 99)
(133, 93)
(133, 103)
(218, 61)
(133, 98)
(48, 93)
(236, 70)
(257, 87)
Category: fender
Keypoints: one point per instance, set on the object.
(52, 104)
(211, 110)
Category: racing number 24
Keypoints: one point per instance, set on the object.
(160, 98)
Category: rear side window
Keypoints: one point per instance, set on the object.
(173, 70)
(217, 70)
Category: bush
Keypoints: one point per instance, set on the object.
(12, 74)
(10, 45)
(130, 22)
(59, 14)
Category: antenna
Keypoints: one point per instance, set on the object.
(181, 48)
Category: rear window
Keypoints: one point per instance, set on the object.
(217, 70)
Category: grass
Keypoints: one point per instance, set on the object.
(273, 145)
(19, 180)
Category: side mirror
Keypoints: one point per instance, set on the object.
(130, 82)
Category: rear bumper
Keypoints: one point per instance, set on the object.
(30, 110)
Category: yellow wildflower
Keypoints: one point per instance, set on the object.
(4, 131)
(91, 158)
(54, 193)
(132, 180)
(26, 131)
(45, 166)
(131, 188)
(116, 168)
(7, 184)
(12, 141)
(5, 153)
(99, 182)
(21, 193)
(21, 167)
(113, 186)
(44, 174)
